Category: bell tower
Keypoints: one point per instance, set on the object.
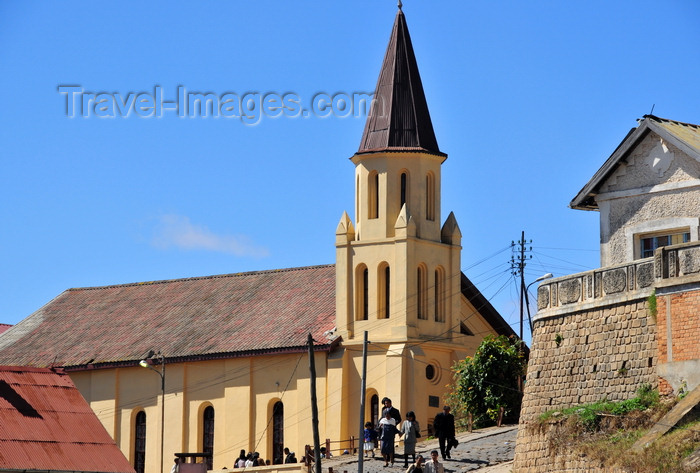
(397, 268)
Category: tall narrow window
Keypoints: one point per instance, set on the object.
(374, 409)
(208, 436)
(361, 293)
(140, 442)
(383, 290)
(358, 207)
(439, 295)
(373, 197)
(430, 196)
(278, 433)
(365, 294)
(387, 292)
(404, 187)
(421, 302)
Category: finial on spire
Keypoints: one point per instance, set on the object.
(400, 4)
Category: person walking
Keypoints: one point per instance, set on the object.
(417, 466)
(387, 433)
(444, 425)
(395, 414)
(433, 465)
(410, 429)
(370, 438)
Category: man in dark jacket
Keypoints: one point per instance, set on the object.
(444, 425)
(394, 411)
(289, 457)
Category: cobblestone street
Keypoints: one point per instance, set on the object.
(476, 451)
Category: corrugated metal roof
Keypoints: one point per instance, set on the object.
(235, 313)
(686, 132)
(399, 119)
(47, 425)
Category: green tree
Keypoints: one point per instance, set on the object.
(489, 380)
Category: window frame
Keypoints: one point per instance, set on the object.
(681, 235)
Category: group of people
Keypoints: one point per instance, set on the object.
(390, 425)
(253, 459)
(431, 466)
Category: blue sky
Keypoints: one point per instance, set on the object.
(527, 98)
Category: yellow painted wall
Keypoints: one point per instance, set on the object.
(243, 391)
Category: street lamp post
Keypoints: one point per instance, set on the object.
(146, 363)
(527, 299)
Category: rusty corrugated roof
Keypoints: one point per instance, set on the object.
(686, 132)
(399, 119)
(45, 424)
(225, 315)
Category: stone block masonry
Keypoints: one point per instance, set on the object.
(602, 353)
(595, 338)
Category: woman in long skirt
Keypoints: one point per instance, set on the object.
(387, 432)
(410, 431)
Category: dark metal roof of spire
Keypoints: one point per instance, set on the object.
(399, 119)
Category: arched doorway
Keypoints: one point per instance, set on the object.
(374, 409)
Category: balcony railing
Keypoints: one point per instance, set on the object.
(670, 265)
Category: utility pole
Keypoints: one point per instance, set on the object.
(517, 265)
(363, 393)
(314, 406)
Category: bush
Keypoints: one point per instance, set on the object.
(488, 381)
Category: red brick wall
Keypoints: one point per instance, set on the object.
(685, 326)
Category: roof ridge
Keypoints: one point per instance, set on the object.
(196, 278)
(654, 117)
(31, 369)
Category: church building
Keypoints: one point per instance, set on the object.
(220, 364)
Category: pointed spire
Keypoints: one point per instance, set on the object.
(345, 231)
(399, 120)
(405, 225)
(451, 234)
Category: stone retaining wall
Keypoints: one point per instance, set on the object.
(602, 353)
(543, 458)
(595, 338)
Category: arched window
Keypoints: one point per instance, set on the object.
(362, 293)
(384, 291)
(404, 188)
(140, 442)
(430, 196)
(278, 433)
(373, 197)
(421, 299)
(208, 435)
(374, 409)
(439, 295)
